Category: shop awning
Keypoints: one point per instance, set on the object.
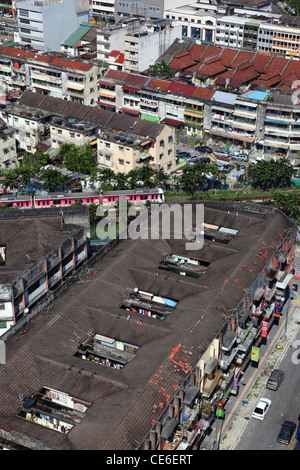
(128, 88)
(146, 142)
(172, 122)
(282, 285)
(258, 293)
(106, 83)
(145, 156)
(169, 427)
(130, 111)
(106, 104)
(190, 394)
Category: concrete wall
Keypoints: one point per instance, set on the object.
(156, 44)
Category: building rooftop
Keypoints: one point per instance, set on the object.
(76, 35)
(26, 241)
(125, 403)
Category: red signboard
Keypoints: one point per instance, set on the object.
(264, 329)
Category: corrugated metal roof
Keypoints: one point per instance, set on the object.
(77, 34)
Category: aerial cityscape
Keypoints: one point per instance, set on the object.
(150, 227)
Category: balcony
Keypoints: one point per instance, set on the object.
(277, 131)
(210, 384)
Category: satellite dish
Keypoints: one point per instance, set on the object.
(26, 310)
(136, 290)
(176, 260)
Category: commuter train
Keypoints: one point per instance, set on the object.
(135, 196)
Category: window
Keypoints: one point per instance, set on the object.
(23, 13)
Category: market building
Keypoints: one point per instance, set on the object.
(138, 354)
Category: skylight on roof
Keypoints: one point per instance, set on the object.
(106, 351)
(53, 409)
(149, 304)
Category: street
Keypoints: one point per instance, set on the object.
(239, 430)
(262, 435)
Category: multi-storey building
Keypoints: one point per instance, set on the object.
(177, 104)
(74, 80)
(103, 11)
(80, 40)
(44, 24)
(30, 127)
(132, 37)
(31, 270)
(8, 149)
(138, 356)
(120, 142)
(198, 21)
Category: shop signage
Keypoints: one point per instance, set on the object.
(264, 329)
(254, 353)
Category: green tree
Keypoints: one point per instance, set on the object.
(121, 180)
(77, 159)
(288, 203)
(54, 180)
(270, 174)
(146, 174)
(106, 176)
(132, 178)
(160, 177)
(194, 177)
(161, 70)
(294, 5)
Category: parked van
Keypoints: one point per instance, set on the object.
(241, 156)
(275, 379)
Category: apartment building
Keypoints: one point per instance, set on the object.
(44, 24)
(29, 269)
(121, 142)
(131, 37)
(29, 127)
(103, 11)
(73, 131)
(133, 142)
(177, 104)
(8, 149)
(73, 80)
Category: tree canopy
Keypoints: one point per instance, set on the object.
(161, 70)
(270, 174)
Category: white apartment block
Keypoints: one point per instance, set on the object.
(132, 38)
(103, 10)
(8, 150)
(196, 22)
(44, 24)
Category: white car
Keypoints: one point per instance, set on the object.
(261, 408)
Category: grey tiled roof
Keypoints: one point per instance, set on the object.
(126, 403)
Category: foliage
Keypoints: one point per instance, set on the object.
(77, 159)
(54, 180)
(194, 178)
(162, 70)
(295, 5)
(270, 174)
(289, 203)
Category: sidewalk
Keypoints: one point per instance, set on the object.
(225, 433)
